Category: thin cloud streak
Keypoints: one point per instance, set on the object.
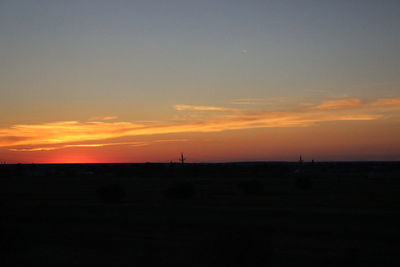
(386, 102)
(259, 101)
(201, 108)
(136, 144)
(74, 133)
(104, 118)
(382, 103)
(339, 104)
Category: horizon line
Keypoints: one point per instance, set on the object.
(217, 162)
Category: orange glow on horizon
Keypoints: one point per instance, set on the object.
(228, 134)
(74, 157)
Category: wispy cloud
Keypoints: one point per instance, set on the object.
(201, 108)
(386, 102)
(258, 101)
(103, 118)
(143, 143)
(246, 101)
(339, 104)
(249, 101)
(67, 134)
(382, 103)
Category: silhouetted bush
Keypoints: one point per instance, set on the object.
(112, 193)
(303, 182)
(182, 190)
(251, 187)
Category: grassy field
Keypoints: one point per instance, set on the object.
(243, 214)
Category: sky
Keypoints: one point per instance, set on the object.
(143, 81)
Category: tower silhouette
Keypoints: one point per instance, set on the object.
(182, 159)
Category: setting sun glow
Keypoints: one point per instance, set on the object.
(249, 80)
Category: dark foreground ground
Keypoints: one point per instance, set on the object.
(261, 214)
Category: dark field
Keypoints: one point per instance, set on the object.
(243, 214)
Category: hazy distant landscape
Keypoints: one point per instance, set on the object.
(232, 214)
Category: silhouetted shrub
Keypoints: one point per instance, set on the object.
(112, 193)
(251, 187)
(182, 190)
(303, 182)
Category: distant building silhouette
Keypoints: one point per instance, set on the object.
(301, 160)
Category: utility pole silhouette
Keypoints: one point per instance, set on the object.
(182, 159)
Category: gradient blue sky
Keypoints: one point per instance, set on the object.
(77, 60)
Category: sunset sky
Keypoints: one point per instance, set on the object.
(143, 81)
